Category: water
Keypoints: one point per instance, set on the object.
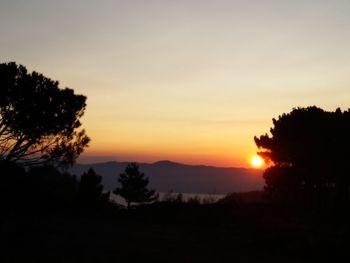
(171, 196)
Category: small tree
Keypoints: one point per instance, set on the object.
(91, 189)
(134, 186)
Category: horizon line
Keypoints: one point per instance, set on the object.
(160, 161)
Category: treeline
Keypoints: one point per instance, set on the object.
(48, 189)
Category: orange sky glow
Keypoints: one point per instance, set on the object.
(187, 81)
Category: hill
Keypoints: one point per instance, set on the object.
(168, 176)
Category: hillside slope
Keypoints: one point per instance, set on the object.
(166, 176)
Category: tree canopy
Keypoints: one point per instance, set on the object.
(134, 186)
(39, 122)
(308, 151)
(91, 189)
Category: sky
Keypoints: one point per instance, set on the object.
(190, 81)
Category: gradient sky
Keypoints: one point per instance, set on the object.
(190, 81)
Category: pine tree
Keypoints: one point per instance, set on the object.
(39, 121)
(134, 186)
(91, 190)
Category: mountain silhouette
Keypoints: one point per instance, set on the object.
(168, 176)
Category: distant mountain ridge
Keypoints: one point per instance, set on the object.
(168, 176)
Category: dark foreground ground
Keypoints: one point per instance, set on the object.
(168, 232)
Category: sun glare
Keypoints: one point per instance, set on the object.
(257, 161)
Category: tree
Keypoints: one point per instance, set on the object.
(91, 189)
(134, 186)
(49, 188)
(39, 122)
(308, 151)
(37, 189)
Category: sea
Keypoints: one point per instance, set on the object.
(171, 196)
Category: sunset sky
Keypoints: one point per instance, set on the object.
(188, 81)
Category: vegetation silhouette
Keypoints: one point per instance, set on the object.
(173, 197)
(308, 151)
(134, 186)
(91, 190)
(39, 122)
(37, 190)
(50, 189)
(13, 181)
(47, 189)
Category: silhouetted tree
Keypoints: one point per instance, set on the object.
(91, 190)
(37, 189)
(134, 186)
(49, 188)
(194, 200)
(283, 182)
(308, 151)
(38, 121)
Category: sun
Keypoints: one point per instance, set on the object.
(257, 161)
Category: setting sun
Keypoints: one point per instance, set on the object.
(257, 161)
